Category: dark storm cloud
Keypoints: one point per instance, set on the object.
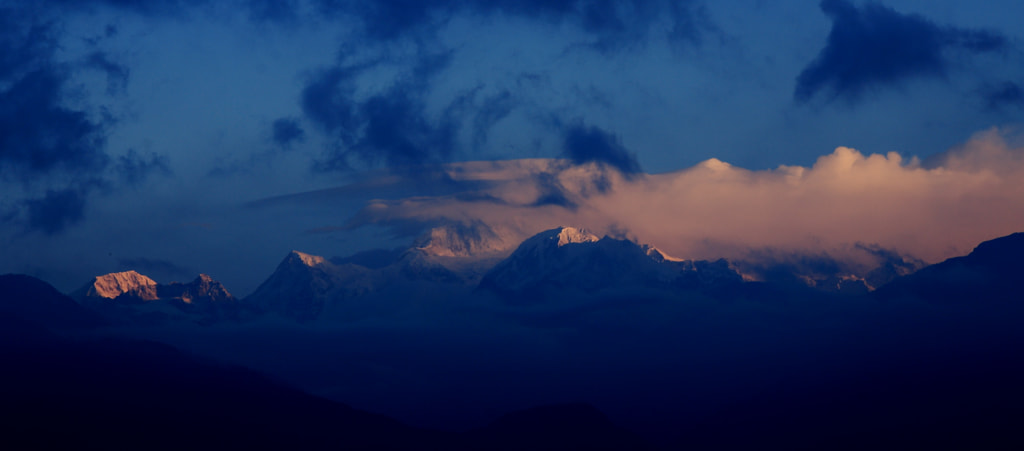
(38, 133)
(690, 22)
(398, 132)
(328, 100)
(56, 210)
(874, 46)
(394, 126)
(145, 7)
(391, 127)
(52, 149)
(117, 74)
(491, 111)
(26, 42)
(132, 169)
(585, 144)
(552, 192)
(281, 11)
(611, 23)
(1005, 95)
(276, 11)
(388, 19)
(287, 131)
(41, 138)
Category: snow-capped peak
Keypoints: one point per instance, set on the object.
(115, 284)
(569, 258)
(561, 236)
(572, 235)
(305, 259)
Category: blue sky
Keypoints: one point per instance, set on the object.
(138, 134)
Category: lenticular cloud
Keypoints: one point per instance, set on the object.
(931, 210)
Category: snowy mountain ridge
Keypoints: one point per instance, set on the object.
(568, 258)
(110, 286)
(130, 297)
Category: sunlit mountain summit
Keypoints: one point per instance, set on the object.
(131, 297)
(568, 260)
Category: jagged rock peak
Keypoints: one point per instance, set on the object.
(113, 285)
(207, 286)
(203, 288)
(305, 259)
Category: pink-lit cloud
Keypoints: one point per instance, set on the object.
(931, 210)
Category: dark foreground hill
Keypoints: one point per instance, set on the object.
(102, 393)
(119, 394)
(968, 397)
(38, 302)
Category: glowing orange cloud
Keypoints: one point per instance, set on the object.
(931, 211)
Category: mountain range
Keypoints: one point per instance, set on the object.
(467, 260)
(70, 367)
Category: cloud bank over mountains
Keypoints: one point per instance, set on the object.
(844, 203)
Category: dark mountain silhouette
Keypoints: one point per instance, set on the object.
(34, 301)
(989, 274)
